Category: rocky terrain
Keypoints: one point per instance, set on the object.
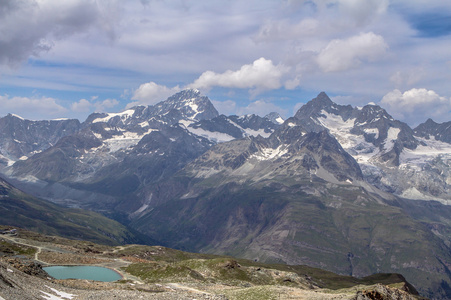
(155, 272)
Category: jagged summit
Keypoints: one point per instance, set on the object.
(190, 103)
(372, 112)
(275, 118)
(323, 99)
(317, 106)
(184, 105)
(427, 127)
(431, 129)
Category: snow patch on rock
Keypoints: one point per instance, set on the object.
(392, 136)
(123, 115)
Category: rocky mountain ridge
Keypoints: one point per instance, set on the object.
(117, 153)
(395, 158)
(20, 138)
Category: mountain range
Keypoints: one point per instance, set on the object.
(348, 189)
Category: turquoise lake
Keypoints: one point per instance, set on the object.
(83, 272)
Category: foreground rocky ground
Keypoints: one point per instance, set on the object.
(153, 272)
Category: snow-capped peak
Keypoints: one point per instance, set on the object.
(17, 116)
(275, 118)
(190, 104)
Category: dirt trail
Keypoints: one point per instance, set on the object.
(179, 286)
(117, 249)
(39, 248)
(115, 263)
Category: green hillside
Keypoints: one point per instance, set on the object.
(24, 211)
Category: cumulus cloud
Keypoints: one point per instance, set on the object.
(275, 30)
(227, 107)
(261, 108)
(341, 55)
(320, 18)
(31, 107)
(30, 27)
(259, 76)
(81, 106)
(362, 12)
(84, 105)
(291, 84)
(105, 104)
(151, 93)
(416, 105)
(407, 78)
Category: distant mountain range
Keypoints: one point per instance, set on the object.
(348, 189)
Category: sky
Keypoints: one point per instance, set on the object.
(74, 57)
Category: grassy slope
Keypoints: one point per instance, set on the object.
(236, 278)
(171, 265)
(24, 211)
(341, 228)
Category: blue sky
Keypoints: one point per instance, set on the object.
(71, 58)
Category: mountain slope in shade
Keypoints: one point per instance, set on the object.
(25, 211)
(296, 197)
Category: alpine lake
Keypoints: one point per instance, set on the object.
(83, 272)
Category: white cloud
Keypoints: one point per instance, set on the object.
(362, 12)
(261, 75)
(276, 30)
(151, 93)
(341, 55)
(319, 19)
(174, 42)
(261, 108)
(102, 106)
(81, 106)
(227, 107)
(31, 107)
(416, 105)
(84, 105)
(291, 84)
(30, 27)
(408, 77)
